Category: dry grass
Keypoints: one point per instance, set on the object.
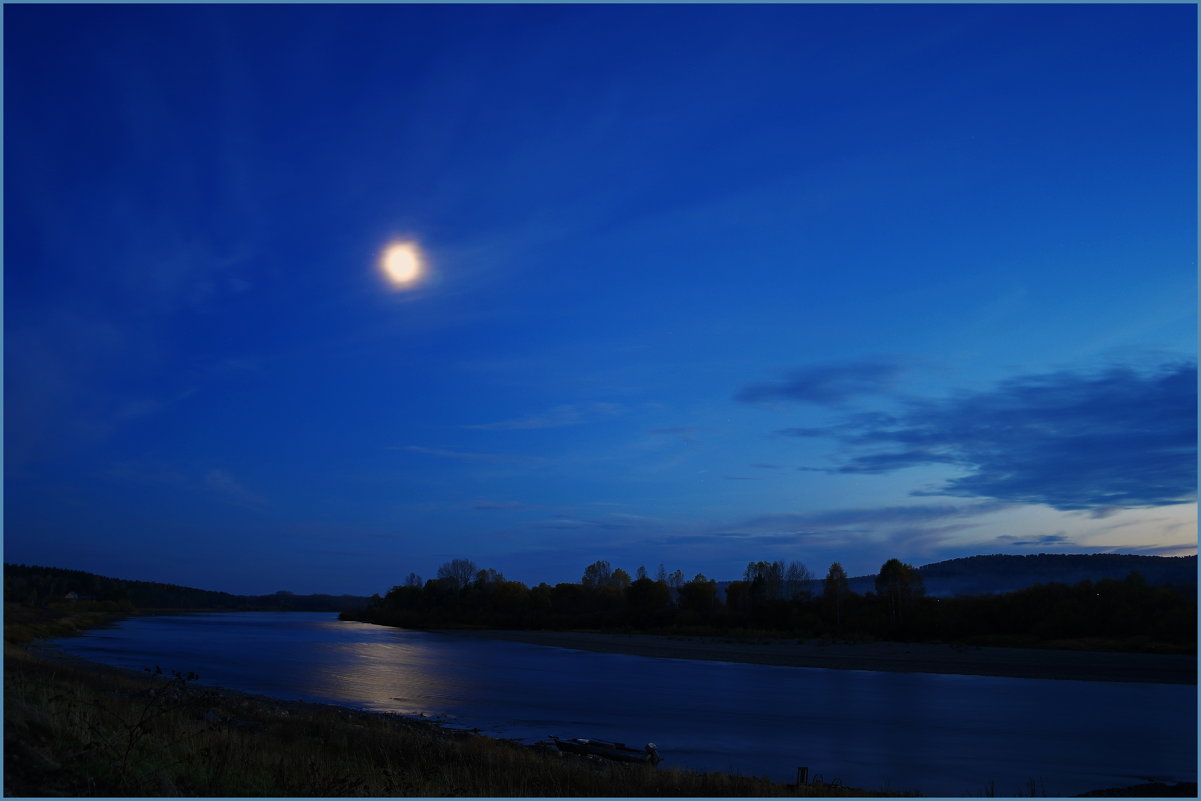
(82, 731)
(23, 624)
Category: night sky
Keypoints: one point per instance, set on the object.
(699, 285)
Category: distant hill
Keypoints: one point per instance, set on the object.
(1001, 573)
(33, 584)
(980, 575)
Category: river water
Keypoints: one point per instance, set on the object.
(937, 734)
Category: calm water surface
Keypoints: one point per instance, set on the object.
(940, 735)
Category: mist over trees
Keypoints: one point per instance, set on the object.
(784, 599)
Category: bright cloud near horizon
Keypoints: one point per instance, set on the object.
(813, 282)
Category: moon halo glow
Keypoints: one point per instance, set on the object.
(401, 264)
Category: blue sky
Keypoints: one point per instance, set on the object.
(702, 285)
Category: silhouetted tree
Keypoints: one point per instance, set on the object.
(676, 579)
(458, 573)
(619, 579)
(540, 604)
(568, 603)
(766, 580)
(488, 576)
(441, 596)
(597, 575)
(698, 600)
(796, 581)
(509, 603)
(898, 584)
(1128, 612)
(835, 590)
(648, 603)
(738, 601)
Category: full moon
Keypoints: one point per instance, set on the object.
(401, 263)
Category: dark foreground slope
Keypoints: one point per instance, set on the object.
(75, 728)
(82, 730)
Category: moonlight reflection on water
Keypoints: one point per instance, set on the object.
(937, 734)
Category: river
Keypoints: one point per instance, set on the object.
(940, 735)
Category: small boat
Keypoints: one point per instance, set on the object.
(608, 750)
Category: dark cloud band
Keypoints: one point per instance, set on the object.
(826, 384)
(1114, 439)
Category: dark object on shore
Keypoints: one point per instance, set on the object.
(1151, 790)
(619, 752)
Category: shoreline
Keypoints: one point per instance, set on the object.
(964, 660)
(247, 714)
(242, 743)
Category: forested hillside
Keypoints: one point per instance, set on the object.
(36, 586)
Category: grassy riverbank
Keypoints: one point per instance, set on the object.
(78, 729)
(24, 624)
(75, 728)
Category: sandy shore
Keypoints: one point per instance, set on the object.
(1026, 663)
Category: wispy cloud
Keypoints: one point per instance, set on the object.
(466, 456)
(499, 506)
(1037, 540)
(1110, 440)
(869, 517)
(559, 416)
(609, 522)
(152, 475)
(684, 432)
(804, 432)
(1102, 512)
(230, 490)
(915, 531)
(745, 542)
(215, 483)
(825, 384)
(912, 531)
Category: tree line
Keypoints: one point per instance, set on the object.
(785, 599)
